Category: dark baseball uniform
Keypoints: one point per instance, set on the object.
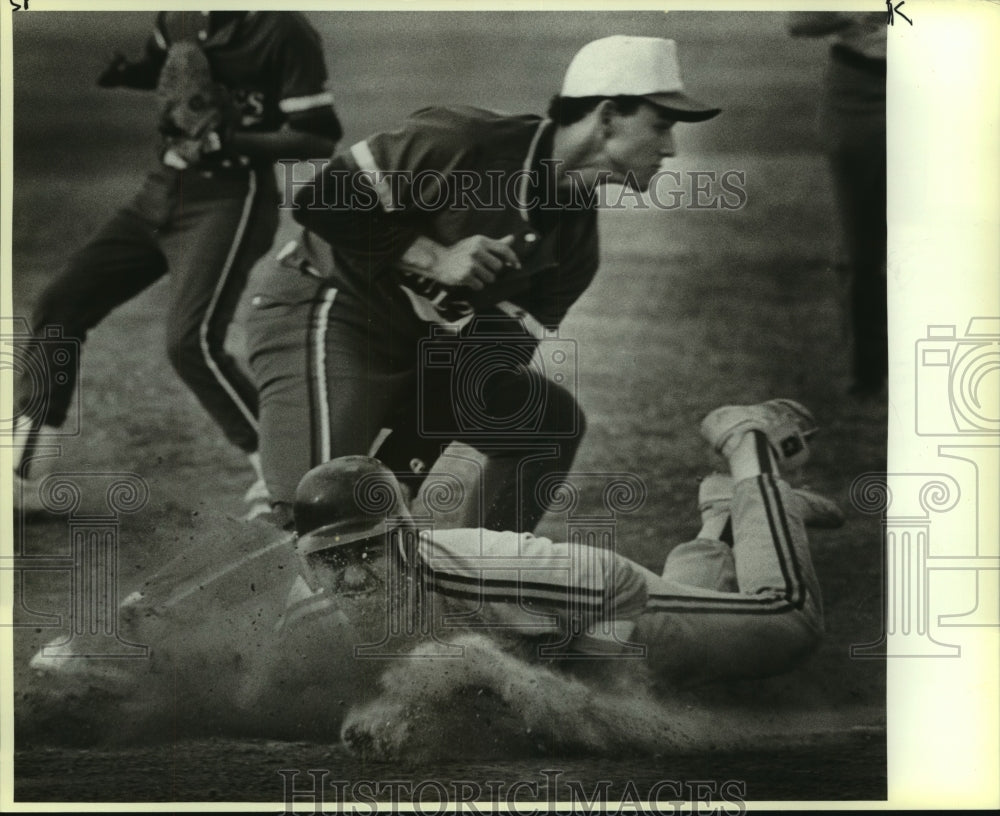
(362, 343)
(222, 214)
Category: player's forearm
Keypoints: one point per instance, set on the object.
(280, 144)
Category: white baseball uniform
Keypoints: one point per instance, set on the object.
(715, 612)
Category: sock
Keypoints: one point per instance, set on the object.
(751, 457)
(714, 527)
(256, 465)
(726, 536)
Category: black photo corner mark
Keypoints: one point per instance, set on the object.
(893, 10)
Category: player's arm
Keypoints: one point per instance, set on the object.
(378, 194)
(311, 128)
(473, 262)
(142, 74)
(318, 136)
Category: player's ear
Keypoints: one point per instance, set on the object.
(606, 117)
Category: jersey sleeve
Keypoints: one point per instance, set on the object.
(505, 575)
(410, 165)
(376, 192)
(304, 97)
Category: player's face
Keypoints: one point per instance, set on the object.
(636, 145)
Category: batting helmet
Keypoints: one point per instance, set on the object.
(346, 500)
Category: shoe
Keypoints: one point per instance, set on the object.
(715, 494)
(786, 424)
(258, 500)
(257, 497)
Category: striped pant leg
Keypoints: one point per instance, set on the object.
(123, 259)
(222, 227)
(697, 635)
(770, 546)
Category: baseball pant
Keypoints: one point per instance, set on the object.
(333, 369)
(221, 225)
(763, 623)
(715, 613)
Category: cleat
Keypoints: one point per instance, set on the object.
(715, 494)
(258, 499)
(256, 511)
(786, 424)
(257, 492)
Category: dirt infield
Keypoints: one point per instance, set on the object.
(692, 308)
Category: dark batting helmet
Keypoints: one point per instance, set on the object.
(346, 501)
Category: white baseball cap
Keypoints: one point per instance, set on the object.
(634, 66)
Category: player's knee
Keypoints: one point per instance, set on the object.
(563, 414)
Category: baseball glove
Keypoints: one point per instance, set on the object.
(196, 112)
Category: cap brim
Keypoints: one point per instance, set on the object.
(682, 107)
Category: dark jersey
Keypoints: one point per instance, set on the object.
(271, 62)
(448, 174)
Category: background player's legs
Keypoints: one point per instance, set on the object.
(853, 124)
(123, 259)
(224, 226)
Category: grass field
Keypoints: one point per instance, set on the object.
(691, 309)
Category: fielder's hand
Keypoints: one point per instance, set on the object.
(473, 262)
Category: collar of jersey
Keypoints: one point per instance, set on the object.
(529, 162)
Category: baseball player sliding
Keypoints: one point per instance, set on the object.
(242, 633)
(237, 90)
(740, 600)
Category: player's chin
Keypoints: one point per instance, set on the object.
(640, 179)
(639, 183)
